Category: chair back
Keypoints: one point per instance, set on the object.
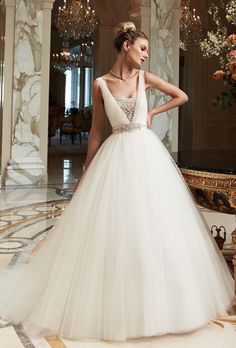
(78, 119)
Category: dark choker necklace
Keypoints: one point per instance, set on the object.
(122, 78)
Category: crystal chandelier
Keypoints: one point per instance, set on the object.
(67, 59)
(190, 25)
(76, 21)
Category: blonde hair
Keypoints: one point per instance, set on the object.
(126, 31)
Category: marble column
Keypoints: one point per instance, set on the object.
(164, 62)
(26, 127)
(7, 85)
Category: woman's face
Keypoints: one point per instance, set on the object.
(137, 52)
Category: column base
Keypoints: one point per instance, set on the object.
(25, 171)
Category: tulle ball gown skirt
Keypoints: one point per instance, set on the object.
(130, 256)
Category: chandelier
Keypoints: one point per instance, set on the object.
(67, 59)
(190, 25)
(76, 21)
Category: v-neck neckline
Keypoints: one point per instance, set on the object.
(114, 100)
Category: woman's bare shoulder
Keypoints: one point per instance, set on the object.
(149, 76)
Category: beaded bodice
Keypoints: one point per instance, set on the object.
(127, 105)
(128, 114)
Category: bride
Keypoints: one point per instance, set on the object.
(131, 256)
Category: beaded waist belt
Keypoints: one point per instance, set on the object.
(131, 127)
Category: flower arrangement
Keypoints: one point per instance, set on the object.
(222, 45)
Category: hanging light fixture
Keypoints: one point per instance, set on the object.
(76, 21)
(190, 25)
(67, 59)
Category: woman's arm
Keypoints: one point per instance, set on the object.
(178, 97)
(96, 134)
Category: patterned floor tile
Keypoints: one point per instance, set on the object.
(9, 338)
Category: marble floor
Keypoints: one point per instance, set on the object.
(26, 216)
(65, 161)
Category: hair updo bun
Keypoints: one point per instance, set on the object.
(126, 31)
(124, 27)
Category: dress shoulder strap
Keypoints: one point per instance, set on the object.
(99, 80)
(142, 78)
(142, 72)
(101, 83)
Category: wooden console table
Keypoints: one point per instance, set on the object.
(211, 176)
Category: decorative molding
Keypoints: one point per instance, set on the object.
(210, 180)
(214, 191)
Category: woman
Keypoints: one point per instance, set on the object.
(130, 256)
(132, 50)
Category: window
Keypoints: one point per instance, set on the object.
(78, 84)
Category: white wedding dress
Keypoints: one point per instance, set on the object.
(130, 256)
